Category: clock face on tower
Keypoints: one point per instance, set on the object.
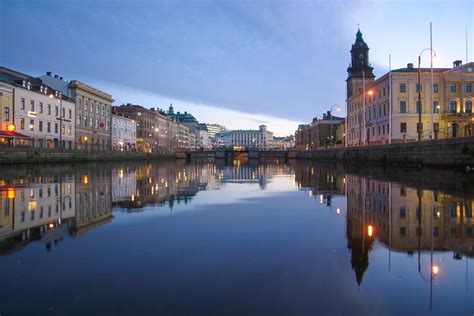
(361, 55)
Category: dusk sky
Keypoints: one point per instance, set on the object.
(238, 63)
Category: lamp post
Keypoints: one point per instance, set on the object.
(419, 107)
(338, 108)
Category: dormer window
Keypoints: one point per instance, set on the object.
(29, 85)
(23, 84)
(45, 90)
(41, 89)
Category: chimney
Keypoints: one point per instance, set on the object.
(410, 65)
(153, 109)
(56, 76)
(48, 73)
(61, 78)
(457, 63)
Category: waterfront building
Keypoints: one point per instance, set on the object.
(145, 124)
(162, 130)
(183, 135)
(190, 122)
(41, 113)
(8, 136)
(203, 142)
(241, 139)
(320, 133)
(386, 110)
(213, 129)
(93, 118)
(124, 132)
(283, 143)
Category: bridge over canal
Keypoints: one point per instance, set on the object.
(263, 155)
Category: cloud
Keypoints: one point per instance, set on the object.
(204, 113)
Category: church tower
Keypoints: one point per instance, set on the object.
(359, 67)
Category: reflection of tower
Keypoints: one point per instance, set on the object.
(359, 242)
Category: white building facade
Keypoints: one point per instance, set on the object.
(124, 133)
(245, 139)
(49, 121)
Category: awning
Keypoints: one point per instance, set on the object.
(8, 134)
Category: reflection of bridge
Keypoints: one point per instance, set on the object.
(265, 155)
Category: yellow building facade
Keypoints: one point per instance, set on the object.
(386, 110)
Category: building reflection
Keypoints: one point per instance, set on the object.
(32, 207)
(93, 198)
(407, 219)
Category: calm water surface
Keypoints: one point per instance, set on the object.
(235, 239)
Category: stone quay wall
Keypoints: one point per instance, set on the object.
(442, 152)
(17, 155)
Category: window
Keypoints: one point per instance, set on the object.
(32, 103)
(453, 87)
(6, 114)
(41, 107)
(49, 109)
(32, 125)
(403, 106)
(468, 107)
(452, 106)
(418, 107)
(403, 212)
(22, 123)
(79, 104)
(435, 87)
(40, 126)
(403, 231)
(70, 114)
(22, 103)
(435, 106)
(79, 120)
(56, 128)
(403, 127)
(85, 121)
(468, 87)
(64, 112)
(403, 87)
(48, 127)
(419, 87)
(57, 111)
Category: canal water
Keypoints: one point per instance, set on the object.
(176, 238)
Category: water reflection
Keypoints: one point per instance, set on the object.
(424, 214)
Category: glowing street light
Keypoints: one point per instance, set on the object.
(435, 270)
(370, 230)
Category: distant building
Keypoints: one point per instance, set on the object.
(203, 141)
(40, 111)
(93, 117)
(320, 133)
(213, 129)
(283, 143)
(242, 139)
(189, 121)
(145, 125)
(124, 132)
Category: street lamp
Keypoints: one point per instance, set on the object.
(338, 108)
(420, 125)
